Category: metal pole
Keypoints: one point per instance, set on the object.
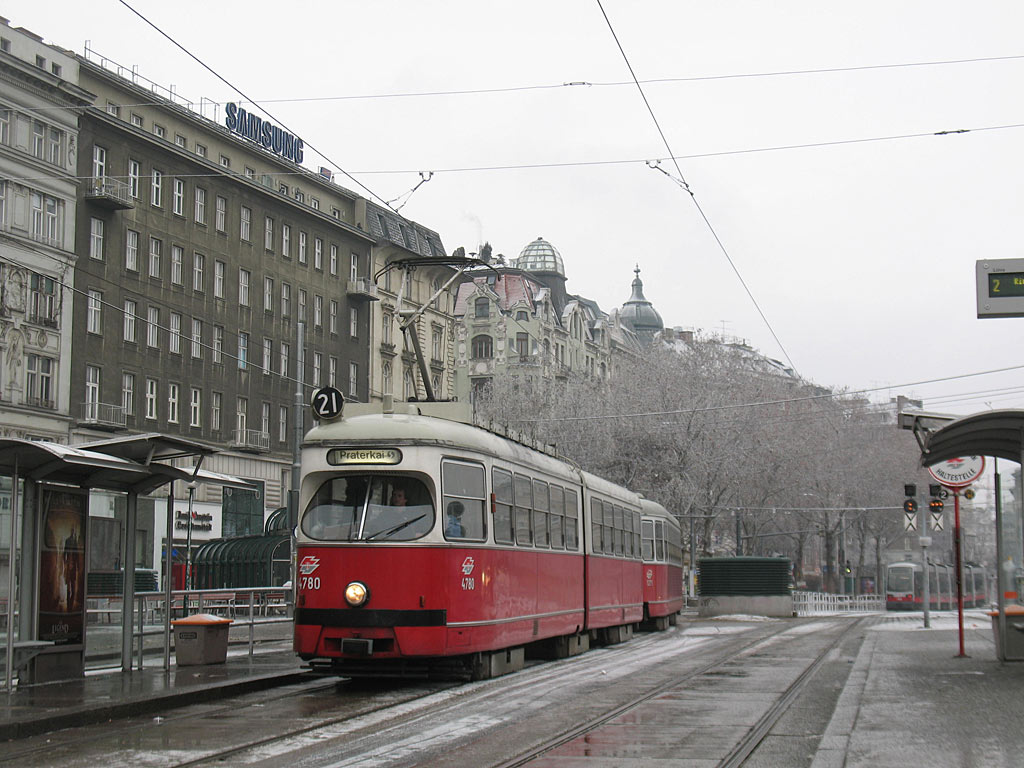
(958, 564)
(168, 575)
(1000, 572)
(841, 564)
(128, 587)
(297, 434)
(926, 587)
(188, 546)
(693, 556)
(11, 550)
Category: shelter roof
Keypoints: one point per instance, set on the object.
(990, 433)
(151, 446)
(76, 466)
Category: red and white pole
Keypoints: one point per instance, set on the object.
(958, 561)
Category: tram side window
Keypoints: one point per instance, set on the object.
(557, 519)
(617, 528)
(524, 509)
(462, 484)
(540, 514)
(501, 485)
(647, 540)
(572, 540)
(659, 539)
(597, 524)
(606, 529)
(636, 534)
(627, 533)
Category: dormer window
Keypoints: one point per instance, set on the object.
(481, 308)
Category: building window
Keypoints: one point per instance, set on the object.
(219, 268)
(198, 266)
(286, 299)
(218, 343)
(332, 371)
(243, 287)
(353, 379)
(250, 173)
(246, 226)
(222, 214)
(157, 190)
(156, 246)
(265, 420)
(314, 204)
(172, 403)
(386, 378)
(200, 205)
(334, 259)
(435, 343)
(318, 311)
(216, 401)
(302, 247)
(130, 312)
(197, 338)
(99, 162)
(385, 328)
(285, 350)
(96, 238)
(134, 171)
(243, 350)
(94, 313)
(286, 240)
(151, 392)
(225, 161)
(137, 120)
(318, 362)
(55, 146)
(318, 253)
(353, 267)
(302, 305)
(177, 264)
(282, 424)
(153, 327)
(482, 347)
(131, 251)
(268, 352)
(128, 393)
(241, 409)
(333, 316)
(180, 140)
(92, 386)
(175, 342)
(178, 198)
(39, 380)
(195, 407)
(268, 294)
(353, 322)
(200, 150)
(43, 300)
(409, 386)
(159, 131)
(482, 308)
(268, 234)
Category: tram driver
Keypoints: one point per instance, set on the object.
(453, 520)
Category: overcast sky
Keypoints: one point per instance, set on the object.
(854, 227)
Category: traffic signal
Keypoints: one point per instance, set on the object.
(935, 506)
(910, 515)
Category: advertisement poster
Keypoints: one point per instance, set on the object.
(62, 566)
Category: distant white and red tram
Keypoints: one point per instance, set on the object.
(662, 565)
(540, 557)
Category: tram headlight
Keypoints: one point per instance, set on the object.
(356, 594)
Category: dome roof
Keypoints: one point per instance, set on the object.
(639, 314)
(540, 256)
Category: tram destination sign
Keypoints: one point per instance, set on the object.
(1000, 287)
(340, 456)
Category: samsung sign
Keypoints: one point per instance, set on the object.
(263, 132)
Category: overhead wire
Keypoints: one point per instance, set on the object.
(686, 186)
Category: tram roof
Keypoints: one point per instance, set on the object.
(433, 424)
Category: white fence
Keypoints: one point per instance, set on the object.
(822, 603)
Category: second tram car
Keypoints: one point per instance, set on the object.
(904, 587)
(428, 544)
(662, 558)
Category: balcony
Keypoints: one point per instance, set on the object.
(250, 441)
(106, 416)
(109, 193)
(363, 288)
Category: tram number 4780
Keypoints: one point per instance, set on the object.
(468, 582)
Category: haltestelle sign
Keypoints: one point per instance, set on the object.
(958, 472)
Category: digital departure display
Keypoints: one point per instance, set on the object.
(1006, 284)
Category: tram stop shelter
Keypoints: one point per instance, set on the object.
(50, 487)
(990, 433)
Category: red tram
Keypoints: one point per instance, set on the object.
(427, 544)
(662, 557)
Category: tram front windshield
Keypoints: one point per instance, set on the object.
(901, 580)
(369, 508)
